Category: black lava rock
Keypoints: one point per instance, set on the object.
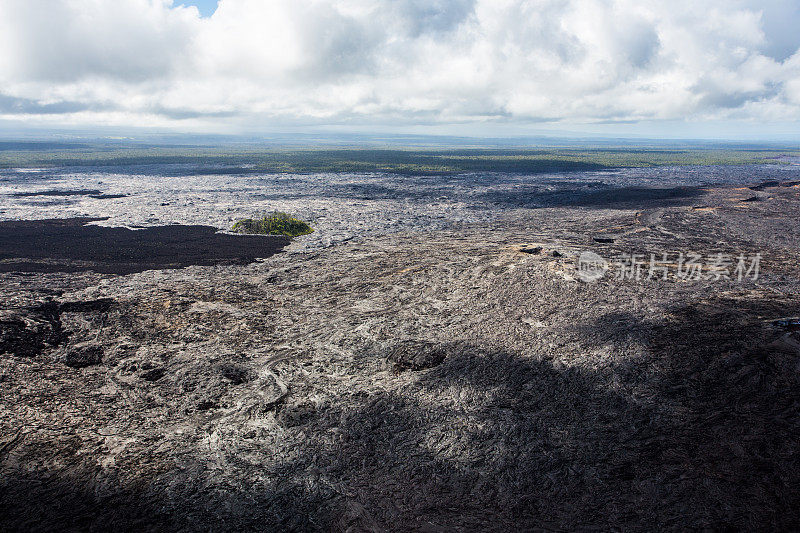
(154, 374)
(416, 355)
(83, 355)
(535, 250)
(236, 374)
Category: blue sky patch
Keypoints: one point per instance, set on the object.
(206, 7)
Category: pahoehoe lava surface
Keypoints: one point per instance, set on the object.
(454, 378)
(71, 245)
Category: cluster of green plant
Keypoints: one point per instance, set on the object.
(275, 223)
(235, 159)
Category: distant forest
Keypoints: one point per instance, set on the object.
(249, 160)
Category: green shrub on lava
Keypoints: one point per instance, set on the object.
(276, 223)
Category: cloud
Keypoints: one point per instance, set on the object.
(13, 105)
(399, 61)
(62, 41)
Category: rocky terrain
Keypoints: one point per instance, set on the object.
(443, 368)
(344, 206)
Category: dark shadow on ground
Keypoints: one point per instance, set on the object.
(72, 245)
(593, 195)
(504, 193)
(701, 432)
(59, 192)
(46, 502)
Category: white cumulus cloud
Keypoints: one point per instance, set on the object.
(153, 62)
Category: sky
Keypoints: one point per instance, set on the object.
(205, 7)
(683, 68)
